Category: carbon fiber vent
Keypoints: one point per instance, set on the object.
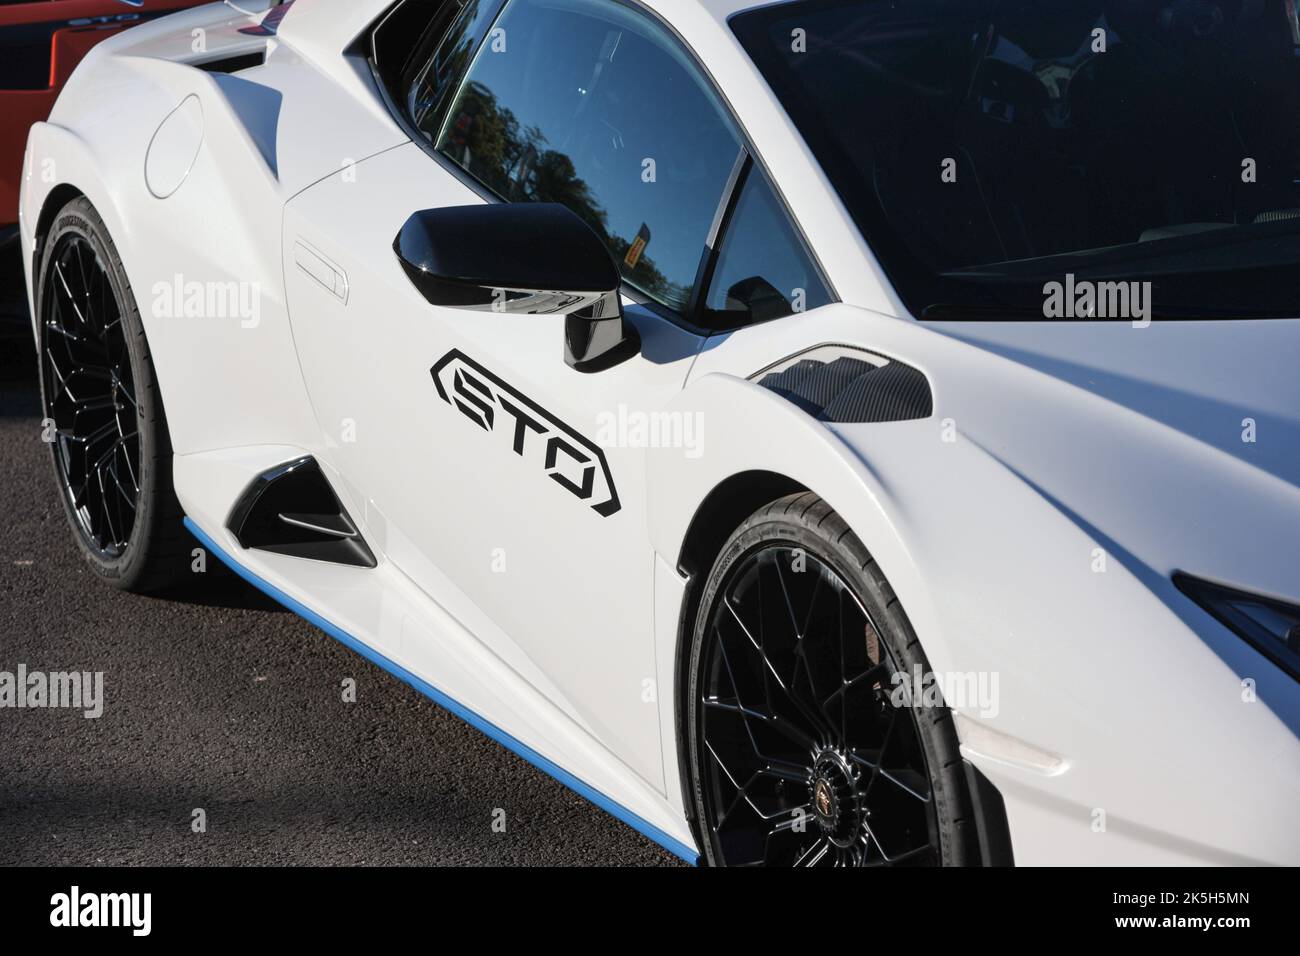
(845, 389)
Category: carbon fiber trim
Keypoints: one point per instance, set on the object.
(849, 390)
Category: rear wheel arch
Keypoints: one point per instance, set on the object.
(55, 201)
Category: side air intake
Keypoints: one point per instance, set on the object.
(838, 384)
(291, 509)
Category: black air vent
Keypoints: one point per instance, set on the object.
(233, 64)
(846, 389)
(291, 509)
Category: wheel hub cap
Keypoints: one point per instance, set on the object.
(832, 794)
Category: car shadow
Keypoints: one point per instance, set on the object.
(219, 587)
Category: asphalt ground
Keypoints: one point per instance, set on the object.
(216, 699)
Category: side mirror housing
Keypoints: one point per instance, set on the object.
(527, 259)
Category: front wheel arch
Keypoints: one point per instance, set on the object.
(717, 516)
(972, 810)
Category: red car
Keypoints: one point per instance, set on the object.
(41, 42)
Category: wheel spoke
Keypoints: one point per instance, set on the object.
(124, 391)
(871, 676)
(771, 676)
(742, 793)
(69, 297)
(814, 853)
(784, 727)
(908, 788)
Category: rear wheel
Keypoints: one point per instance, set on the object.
(104, 414)
(804, 749)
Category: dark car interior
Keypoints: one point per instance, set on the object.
(1080, 128)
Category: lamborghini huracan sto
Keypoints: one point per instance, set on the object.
(821, 432)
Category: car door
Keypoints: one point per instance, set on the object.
(504, 482)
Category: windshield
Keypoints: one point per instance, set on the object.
(1056, 159)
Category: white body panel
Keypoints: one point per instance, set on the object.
(515, 553)
(562, 628)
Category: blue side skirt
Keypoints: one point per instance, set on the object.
(669, 843)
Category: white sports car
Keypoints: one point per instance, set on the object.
(828, 432)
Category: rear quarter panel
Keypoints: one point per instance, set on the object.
(204, 262)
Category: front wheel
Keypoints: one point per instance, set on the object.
(805, 750)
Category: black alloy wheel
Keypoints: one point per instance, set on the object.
(90, 396)
(807, 747)
(103, 411)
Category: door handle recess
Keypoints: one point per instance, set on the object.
(312, 262)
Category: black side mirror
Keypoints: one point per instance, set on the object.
(522, 258)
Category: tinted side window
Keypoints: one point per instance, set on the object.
(763, 270)
(454, 32)
(591, 104)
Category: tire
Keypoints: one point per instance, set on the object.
(109, 443)
(772, 732)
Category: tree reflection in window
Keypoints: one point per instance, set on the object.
(594, 105)
(517, 164)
